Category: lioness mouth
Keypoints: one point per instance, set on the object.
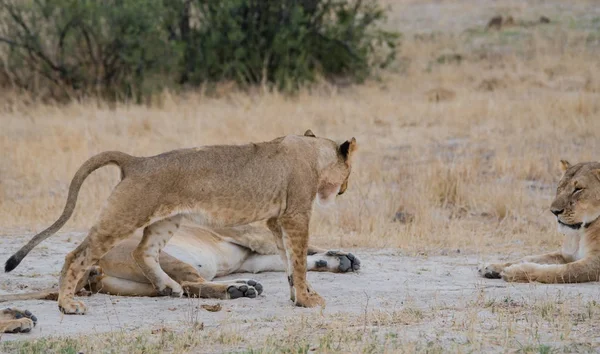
(572, 226)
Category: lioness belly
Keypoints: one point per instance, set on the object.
(224, 216)
(196, 246)
(210, 258)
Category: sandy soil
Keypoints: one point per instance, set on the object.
(389, 281)
(477, 172)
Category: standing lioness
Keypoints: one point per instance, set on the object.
(215, 186)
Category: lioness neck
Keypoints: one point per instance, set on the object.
(325, 150)
(592, 233)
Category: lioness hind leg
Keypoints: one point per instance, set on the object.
(333, 261)
(16, 321)
(77, 263)
(106, 284)
(324, 261)
(194, 285)
(122, 215)
(239, 285)
(147, 253)
(214, 290)
(224, 290)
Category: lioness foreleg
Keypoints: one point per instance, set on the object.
(275, 227)
(581, 271)
(194, 285)
(294, 229)
(493, 271)
(146, 255)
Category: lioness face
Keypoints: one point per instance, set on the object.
(334, 180)
(577, 201)
(346, 152)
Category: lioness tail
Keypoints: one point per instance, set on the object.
(94, 163)
(50, 294)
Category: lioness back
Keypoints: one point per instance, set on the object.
(246, 182)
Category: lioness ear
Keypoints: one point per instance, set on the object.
(310, 133)
(348, 148)
(564, 165)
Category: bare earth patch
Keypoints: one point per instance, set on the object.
(395, 302)
(459, 146)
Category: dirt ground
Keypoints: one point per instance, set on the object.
(459, 146)
(419, 298)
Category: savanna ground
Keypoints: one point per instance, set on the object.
(458, 162)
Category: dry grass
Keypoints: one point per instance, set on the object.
(480, 324)
(475, 170)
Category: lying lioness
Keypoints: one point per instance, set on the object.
(577, 210)
(213, 186)
(193, 257)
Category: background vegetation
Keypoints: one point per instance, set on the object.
(66, 49)
(459, 144)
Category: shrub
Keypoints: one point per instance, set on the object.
(131, 48)
(287, 42)
(70, 48)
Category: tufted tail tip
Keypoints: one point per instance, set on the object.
(12, 263)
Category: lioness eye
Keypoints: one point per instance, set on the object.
(577, 190)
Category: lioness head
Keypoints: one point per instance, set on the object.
(336, 170)
(577, 201)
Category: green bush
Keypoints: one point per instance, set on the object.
(71, 48)
(131, 48)
(286, 42)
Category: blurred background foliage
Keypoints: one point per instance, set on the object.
(132, 49)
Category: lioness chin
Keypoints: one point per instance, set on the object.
(213, 186)
(577, 209)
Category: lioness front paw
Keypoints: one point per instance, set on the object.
(172, 289)
(491, 271)
(336, 262)
(520, 273)
(253, 283)
(23, 325)
(23, 321)
(311, 299)
(71, 307)
(236, 291)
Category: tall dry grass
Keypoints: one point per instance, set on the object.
(459, 150)
(474, 170)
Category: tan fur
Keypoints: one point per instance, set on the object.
(577, 209)
(216, 252)
(215, 186)
(14, 321)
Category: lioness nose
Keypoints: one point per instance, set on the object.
(557, 212)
